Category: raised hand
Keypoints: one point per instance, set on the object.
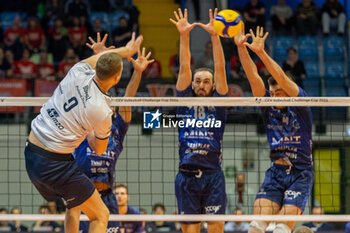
(241, 37)
(133, 45)
(209, 27)
(181, 23)
(258, 43)
(141, 63)
(99, 46)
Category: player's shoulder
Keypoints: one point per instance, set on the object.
(133, 210)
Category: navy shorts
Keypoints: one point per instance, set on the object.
(57, 176)
(287, 186)
(203, 195)
(110, 201)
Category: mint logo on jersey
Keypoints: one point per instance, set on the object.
(151, 120)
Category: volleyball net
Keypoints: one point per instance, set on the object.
(150, 158)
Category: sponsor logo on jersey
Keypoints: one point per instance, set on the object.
(291, 194)
(53, 114)
(213, 209)
(287, 139)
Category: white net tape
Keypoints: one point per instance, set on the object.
(198, 101)
(184, 218)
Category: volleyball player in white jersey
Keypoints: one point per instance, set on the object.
(78, 108)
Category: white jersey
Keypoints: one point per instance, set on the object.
(77, 107)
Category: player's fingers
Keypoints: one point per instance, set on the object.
(111, 47)
(104, 39)
(246, 37)
(257, 31)
(143, 51)
(148, 55)
(150, 61)
(180, 14)
(89, 45)
(176, 16)
(173, 21)
(91, 40)
(98, 37)
(252, 33)
(248, 45)
(266, 34)
(210, 14)
(133, 36)
(215, 12)
(261, 32)
(185, 16)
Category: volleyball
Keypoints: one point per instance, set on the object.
(228, 23)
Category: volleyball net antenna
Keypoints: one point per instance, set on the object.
(150, 158)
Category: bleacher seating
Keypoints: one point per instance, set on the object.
(8, 17)
(308, 48)
(101, 15)
(114, 18)
(280, 47)
(333, 47)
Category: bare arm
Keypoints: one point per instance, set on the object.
(248, 65)
(185, 74)
(130, 49)
(140, 64)
(97, 145)
(257, 46)
(218, 54)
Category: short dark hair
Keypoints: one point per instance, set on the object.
(158, 205)
(292, 49)
(120, 185)
(272, 82)
(3, 209)
(204, 69)
(108, 65)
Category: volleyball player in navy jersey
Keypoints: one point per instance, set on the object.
(100, 168)
(121, 193)
(288, 182)
(200, 183)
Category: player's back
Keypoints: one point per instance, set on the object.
(77, 107)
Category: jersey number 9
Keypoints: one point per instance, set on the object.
(71, 103)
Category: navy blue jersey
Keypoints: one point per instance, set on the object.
(200, 138)
(101, 167)
(289, 133)
(132, 227)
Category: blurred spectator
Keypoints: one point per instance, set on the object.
(10, 59)
(159, 209)
(122, 196)
(54, 9)
(47, 225)
(333, 15)
(17, 224)
(347, 228)
(5, 225)
(235, 67)
(254, 15)
(14, 37)
(24, 68)
(97, 27)
(46, 71)
(77, 8)
(237, 226)
(281, 17)
(174, 63)
(295, 67)
(122, 34)
(319, 226)
(58, 42)
(52, 207)
(303, 229)
(34, 38)
(118, 5)
(4, 64)
(68, 62)
(206, 61)
(153, 70)
(77, 36)
(307, 16)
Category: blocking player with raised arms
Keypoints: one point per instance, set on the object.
(79, 107)
(100, 168)
(289, 180)
(200, 183)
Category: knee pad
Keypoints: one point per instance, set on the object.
(257, 227)
(281, 228)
